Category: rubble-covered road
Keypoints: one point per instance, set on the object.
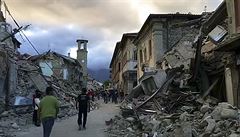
(68, 128)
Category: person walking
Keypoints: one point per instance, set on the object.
(36, 102)
(83, 106)
(49, 108)
(104, 96)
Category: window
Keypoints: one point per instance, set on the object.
(145, 54)
(141, 56)
(119, 66)
(65, 74)
(128, 55)
(124, 60)
(150, 48)
(46, 68)
(135, 55)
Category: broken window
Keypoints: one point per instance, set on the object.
(65, 74)
(22, 101)
(46, 68)
(217, 34)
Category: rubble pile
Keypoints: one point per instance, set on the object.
(30, 79)
(93, 84)
(184, 96)
(11, 122)
(182, 116)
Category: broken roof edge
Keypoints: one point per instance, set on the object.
(219, 14)
(35, 57)
(69, 59)
(66, 58)
(162, 16)
(231, 44)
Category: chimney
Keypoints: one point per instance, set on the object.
(69, 54)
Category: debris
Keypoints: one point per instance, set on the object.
(205, 108)
(229, 114)
(15, 126)
(234, 135)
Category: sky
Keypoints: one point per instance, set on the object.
(57, 24)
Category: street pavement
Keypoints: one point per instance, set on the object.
(68, 128)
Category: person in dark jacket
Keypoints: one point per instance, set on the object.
(83, 106)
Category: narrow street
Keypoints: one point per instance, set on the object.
(68, 128)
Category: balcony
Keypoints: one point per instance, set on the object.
(130, 65)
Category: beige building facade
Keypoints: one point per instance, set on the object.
(155, 38)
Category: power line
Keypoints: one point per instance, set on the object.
(6, 8)
(29, 41)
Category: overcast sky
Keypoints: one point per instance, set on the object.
(57, 24)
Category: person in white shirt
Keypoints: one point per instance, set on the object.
(36, 102)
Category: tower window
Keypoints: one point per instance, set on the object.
(81, 46)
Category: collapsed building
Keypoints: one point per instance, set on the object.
(23, 74)
(192, 88)
(93, 84)
(9, 50)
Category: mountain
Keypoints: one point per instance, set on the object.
(100, 75)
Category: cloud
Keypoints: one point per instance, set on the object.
(185, 6)
(57, 24)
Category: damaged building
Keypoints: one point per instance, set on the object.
(62, 67)
(188, 77)
(9, 50)
(157, 36)
(220, 53)
(123, 64)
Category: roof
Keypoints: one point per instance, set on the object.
(81, 40)
(218, 15)
(69, 59)
(66, 58)
(35, 57)
(126, 36)
(159, 17)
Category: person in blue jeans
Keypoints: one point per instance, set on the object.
(83, 106)
(49, 107)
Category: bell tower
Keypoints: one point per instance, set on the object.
(82, 58)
